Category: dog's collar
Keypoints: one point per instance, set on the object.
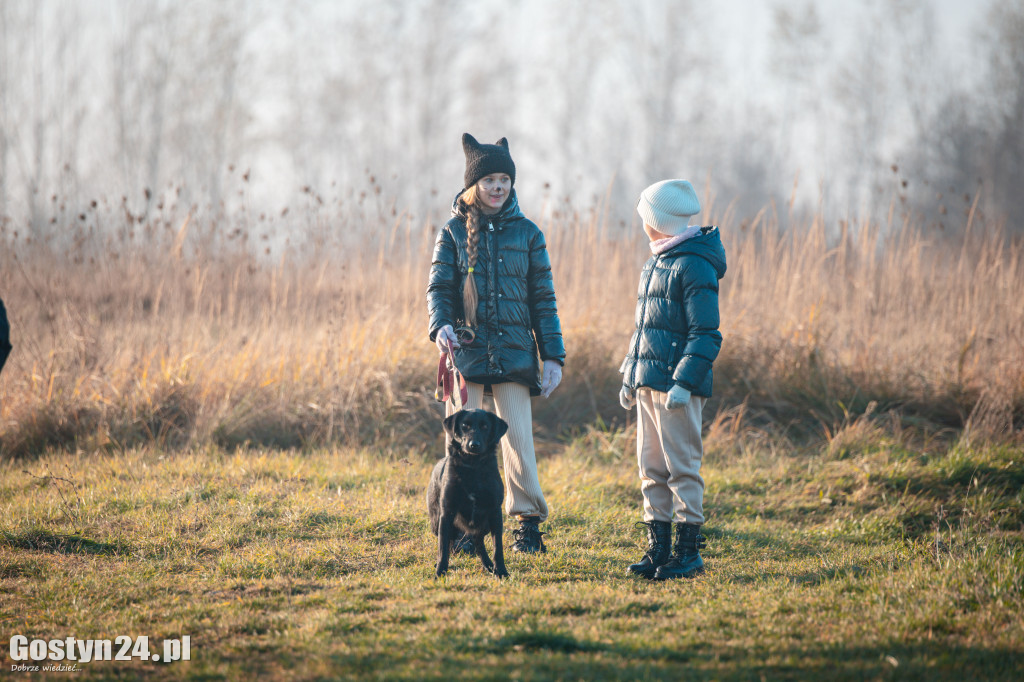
(468, 458)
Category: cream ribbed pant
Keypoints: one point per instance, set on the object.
(669, 451)
(522, 487)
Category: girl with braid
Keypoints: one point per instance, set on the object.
(491, 274)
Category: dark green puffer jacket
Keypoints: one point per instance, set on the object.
(5, 336)
(677, 338)
(516, 311)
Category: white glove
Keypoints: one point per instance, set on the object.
(446, 339)
(627, 398)
(677, 397)
(551, 378)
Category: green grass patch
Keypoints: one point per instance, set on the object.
(880, 561)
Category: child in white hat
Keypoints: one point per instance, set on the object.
(667, 374)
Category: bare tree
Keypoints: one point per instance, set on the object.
(971, 140)
(145, 57)
(666, 65)
(1005, 33)
(6, 38)
(798, 57)
(862, 93)
(41, 110)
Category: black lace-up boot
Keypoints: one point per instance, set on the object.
(685, 561)
(528, 536)
(659, 546)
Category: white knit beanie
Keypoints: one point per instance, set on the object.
(667, 206)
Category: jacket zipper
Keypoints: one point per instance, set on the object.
(493, 272)
(493, 262)
(643, 316)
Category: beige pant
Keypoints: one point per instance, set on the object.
(522, 487)
(669, 452)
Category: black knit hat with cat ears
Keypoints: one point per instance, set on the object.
(484, 159)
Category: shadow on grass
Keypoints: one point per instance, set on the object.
(283, 432)
(955, 483)
(552, 655)
(45, 541)
(904, 505)
(21, 569)
(757, 540)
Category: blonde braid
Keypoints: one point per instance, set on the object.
(469, 294)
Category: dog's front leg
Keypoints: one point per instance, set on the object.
(444, 537)
(499, 553)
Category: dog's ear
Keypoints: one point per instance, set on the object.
(450, 422)
(499, 425)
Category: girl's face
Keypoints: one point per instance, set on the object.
(492, 191)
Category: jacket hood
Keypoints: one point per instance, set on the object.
(510, 211)
(707, 245)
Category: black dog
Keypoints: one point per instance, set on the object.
(465, 488)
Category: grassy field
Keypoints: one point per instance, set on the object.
(864, 558)
(208, 430)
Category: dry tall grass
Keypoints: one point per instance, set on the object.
(176, 332)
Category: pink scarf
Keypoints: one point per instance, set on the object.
(663, 245)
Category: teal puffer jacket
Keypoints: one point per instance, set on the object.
(516, 311)
(677, 338)
(5, 336)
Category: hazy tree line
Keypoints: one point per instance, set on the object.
(229, 104)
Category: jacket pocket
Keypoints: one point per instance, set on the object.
(676, 354)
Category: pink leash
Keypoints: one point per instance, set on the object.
(448, 377)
